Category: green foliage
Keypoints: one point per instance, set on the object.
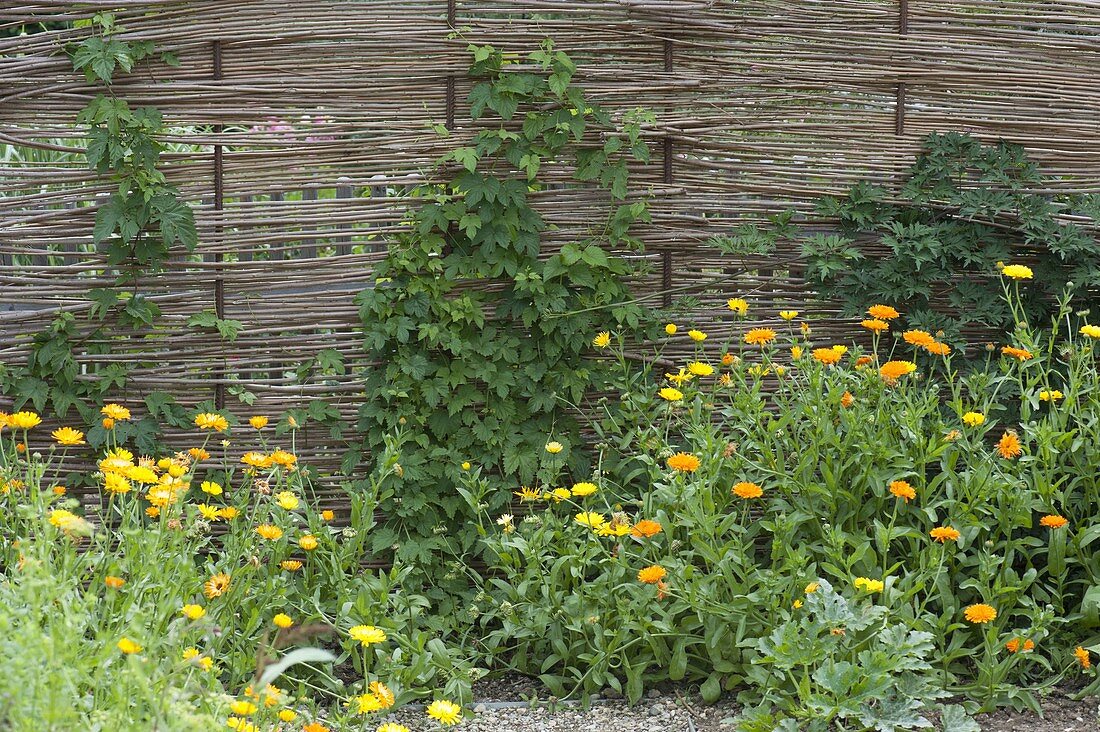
(935, 245)
(479, 334)
(74, 587)
(144, 217)
(135, 228)
(843, 665)
(798, 464)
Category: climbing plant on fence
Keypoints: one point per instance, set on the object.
(143, 217)
(480, 335)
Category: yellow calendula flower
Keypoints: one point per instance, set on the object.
(210, 487)
(291, 565)
(868, 585)
(527, 494)
(591, 519)
(554, 447)
(1092, 331)
(258, 422)
(116, 484)
(652, 574)
(738, 305)
(602, 339)
(466, 465)
(142, 474)
(671, 395)
(973, 419)
(1051, 395)
(128, 646)
(287, 500)
(117, 412)
(697, 335)
(68, 437)
(287, 715)
(580, 490)
(796, 352)
(208, 512)
(24, 420)
(282, 620)
(229, 513)
(445, 712)
(367, 634)
(210, 421)
(671, 329)
(367, 703)
(1017, 272)
(392, 727)
(192, 612)
(308, 542)
(243, 707)
(680, 378)
(811, 588)
(698, 368)
(559, 494)
(788, 314)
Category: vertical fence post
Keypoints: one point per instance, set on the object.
(219, 255)
(666, 273)
(903, 31)
(452, 13)
(343, 191)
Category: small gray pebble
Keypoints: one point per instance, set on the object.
(653, 693)
(611, 693)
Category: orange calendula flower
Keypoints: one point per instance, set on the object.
(1020, 354)
(198, 454)
(944, 534)
(759, 336)
(847, 400)
(747, 490)
(684, 462)
(217, 585)
(646, 529)
(652, 574)
(875, 325)
(383, 693)
(269, 532)
(328, 515)
(827, 356)
(1082, 656)
(882, 312)
(1053, 521)
(113, 582)
(980, 613)
(891, 371)
(256, 460)
(937, 348)
(903, 490)
(918, 337)
(1009, 445)
(864, 361)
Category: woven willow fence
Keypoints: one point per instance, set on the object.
(297, 126)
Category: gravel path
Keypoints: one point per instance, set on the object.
(505, 709)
